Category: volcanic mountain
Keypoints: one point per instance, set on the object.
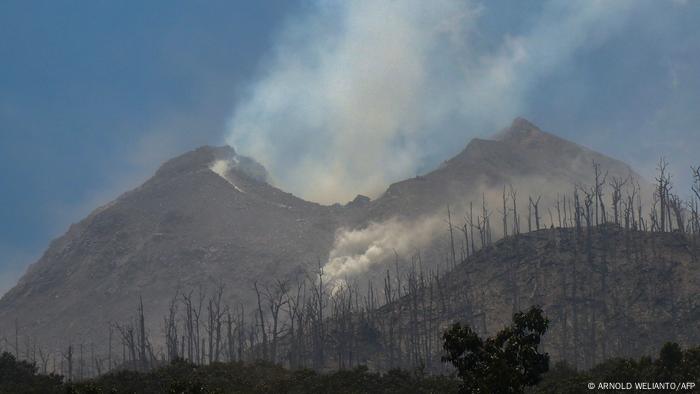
(209, 217)
(534, 162)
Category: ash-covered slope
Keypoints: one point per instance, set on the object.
(202, 219)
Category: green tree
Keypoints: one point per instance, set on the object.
(506, 363)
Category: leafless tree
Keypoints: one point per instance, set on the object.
(617, 184)
(535, 206)
(261, 321)
(276, 299)
(663, 182)
(516, 218)
(171, 332)
(68, 356)
(600, 179)
(216, 312)
(452, 238)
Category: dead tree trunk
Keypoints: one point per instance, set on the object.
(505, 213)
(69, 359)
(516, 219)
(452, 238)
(600, 217)
(662, 187)
(617, 184)
(262, 321)
(142, 337)
(275, 301)
(535, 205)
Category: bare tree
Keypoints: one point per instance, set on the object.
(109, 346)
(535, 205)
(516, 218)
(505, 213)
(617, 184)
(261, 316)
(276, 299)
(171, 333)
(452, 238)
(214, 322)
(189, 326)
(68, 356)
(487, 222)
(128, 339)
(676, 205)
(663, 181)
(696, 181)
(295, 310)
(142, 336)
(695, 201)
(600, 178)
(44, 357)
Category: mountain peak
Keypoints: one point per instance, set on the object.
(525, 133)
(519, 129)
(196, 159)
(523, 124)
(206, 156)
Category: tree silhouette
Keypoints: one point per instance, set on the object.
(505, 363)
(17, 376)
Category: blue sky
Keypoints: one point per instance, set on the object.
(95, 95)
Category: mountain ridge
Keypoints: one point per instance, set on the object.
(518, 151)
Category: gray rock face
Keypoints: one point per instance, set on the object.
(209, 217)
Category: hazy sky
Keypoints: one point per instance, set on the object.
(94, 95)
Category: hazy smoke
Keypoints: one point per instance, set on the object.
(361, 93)
(356, 251)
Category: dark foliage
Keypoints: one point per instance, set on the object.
(672, 365)
(184, 377)
(21, 377)
(506, 363)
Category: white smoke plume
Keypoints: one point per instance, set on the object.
(356, 251)
(222, 167)
(358, 94)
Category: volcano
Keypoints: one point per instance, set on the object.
(209, 217)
